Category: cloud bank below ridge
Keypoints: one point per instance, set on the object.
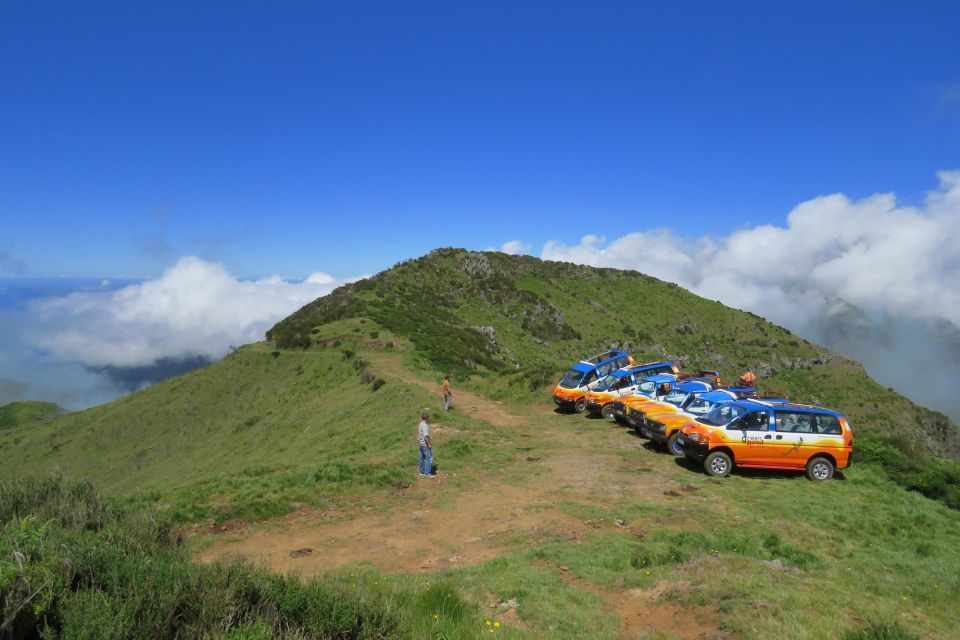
(92, 346)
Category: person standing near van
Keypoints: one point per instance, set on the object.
(749, 378)
(447, 394)
(426, 448)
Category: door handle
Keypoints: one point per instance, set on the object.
(766, 437)
(779, 437)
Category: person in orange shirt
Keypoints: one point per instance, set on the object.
(749, 378)
(447, 394)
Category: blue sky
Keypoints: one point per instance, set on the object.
(287, 138)
(203, 147)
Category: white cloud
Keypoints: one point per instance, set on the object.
(871, 253)
(516, 247)
(195, 308)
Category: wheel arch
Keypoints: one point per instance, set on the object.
(727, 450)
(822, 454)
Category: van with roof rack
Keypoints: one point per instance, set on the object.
(681, 393)
(769, 435)
(664, 425)
(652, 380)
(584, 375)
(679, 396)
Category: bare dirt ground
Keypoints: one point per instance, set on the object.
(431, 525)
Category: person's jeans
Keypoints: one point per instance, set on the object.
(446, 402)
(426, 460)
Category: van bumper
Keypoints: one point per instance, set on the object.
(696, 450)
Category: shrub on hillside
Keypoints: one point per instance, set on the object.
(72, 566)
(934, 478)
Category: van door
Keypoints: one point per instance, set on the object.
(754, 444)
(793, 438)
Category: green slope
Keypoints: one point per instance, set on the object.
(767, 555)
(545, 315)
(16, 414)
(503, 325)
(246, 437)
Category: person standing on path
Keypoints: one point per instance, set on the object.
(447, 394)
(426, 449)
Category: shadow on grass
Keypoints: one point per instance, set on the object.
(758, 474)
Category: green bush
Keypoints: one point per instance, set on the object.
(74, 567)
(934, 478)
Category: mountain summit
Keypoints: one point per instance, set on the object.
(513, 323)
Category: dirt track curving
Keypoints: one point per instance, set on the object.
(432, 525)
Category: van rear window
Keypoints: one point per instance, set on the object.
(828, 424)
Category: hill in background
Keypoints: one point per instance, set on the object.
(297, 452)
(27, 412)
(504, 326)
(511, 324)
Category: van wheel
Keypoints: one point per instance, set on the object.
(580, 405)
(718, 464)
(607, 411)
(819, 469)
(672, 445)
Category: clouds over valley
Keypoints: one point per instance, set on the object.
(95, 344)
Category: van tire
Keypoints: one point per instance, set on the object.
(607, 411)
(672, 445)
(819, 469)
(580, 405)
(718, 464)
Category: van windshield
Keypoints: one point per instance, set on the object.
(571, 379)
(698, 405)
(647, 387)
(676, 397)
(720, 414)
(605, 383)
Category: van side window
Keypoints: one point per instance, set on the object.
(590, 377)
(793, 422)
(622, 362)
(753, 421)
(827, 424)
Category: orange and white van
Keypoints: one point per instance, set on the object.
(585, 375)
(636, 380)
(769, 435)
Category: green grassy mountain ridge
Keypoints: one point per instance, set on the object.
(511, 324)
(24, 412)
(304, 443)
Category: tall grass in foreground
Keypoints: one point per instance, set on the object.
(72, 566)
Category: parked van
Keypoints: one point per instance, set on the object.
(584, 376)
(653, 390)
(664, 426)
(769, 435)
(630, 381)
(682, 394)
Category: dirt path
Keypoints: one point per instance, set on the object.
(472, 404)
(436, 524)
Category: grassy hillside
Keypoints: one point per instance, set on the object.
(306, 441)
(26, 412)
(247, 437)
(511, 324)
